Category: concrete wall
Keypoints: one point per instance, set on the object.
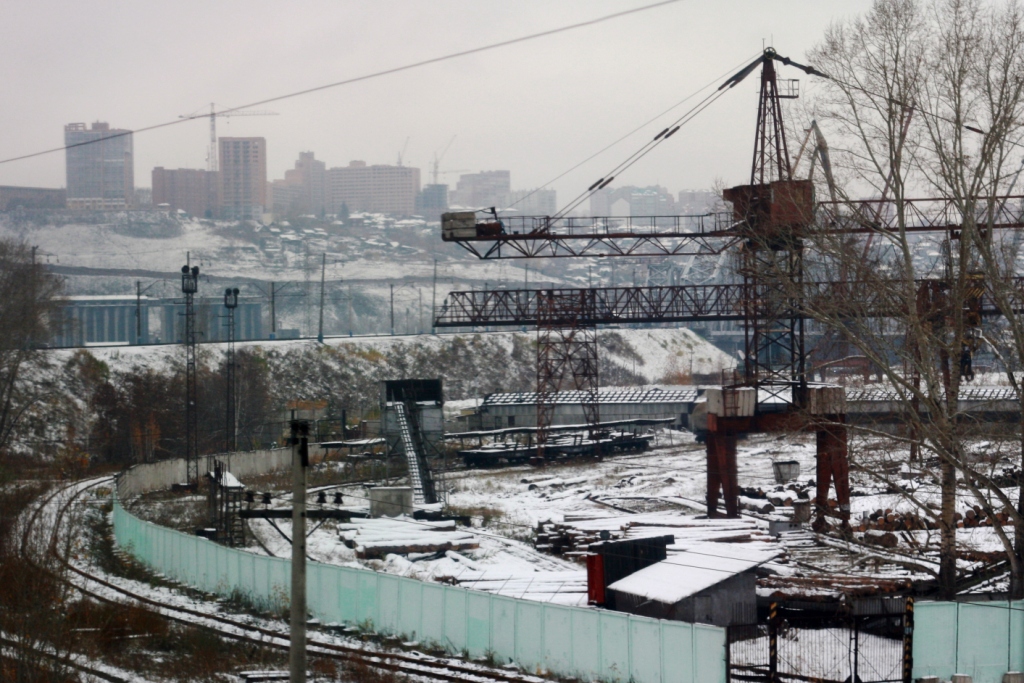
(156, 476)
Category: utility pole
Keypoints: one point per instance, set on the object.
(419, 326)
(323, 274)
(392, 286)
(230, 303)
(273, 313)
(300, 461)
(433, 301)
(189, 287)
(138, 311)
(350, 309)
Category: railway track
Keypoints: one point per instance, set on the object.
(410, 663)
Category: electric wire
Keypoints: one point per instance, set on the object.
(643, 125)
(647, 148)
(364, 77)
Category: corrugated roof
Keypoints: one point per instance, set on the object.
(966, 394)
(603, 397)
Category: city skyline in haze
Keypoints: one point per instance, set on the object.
(536, 108)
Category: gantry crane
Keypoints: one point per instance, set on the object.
(771, 218)
(213, 114)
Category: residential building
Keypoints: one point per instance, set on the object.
(696, 201)
(100, 167)
(191, 190)
(432, 201)
(531, 202)
(482, 190)
(374, 189)
(633, 201)
(303, 189)
(242, 190)
(13, 197)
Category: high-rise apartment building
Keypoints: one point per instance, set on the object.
(481, 190)
(376, 189)
(191, 190)
(243, 178)
(303, 190)
(100, 167)
(432, 201)
(633, 201)
(531, 202)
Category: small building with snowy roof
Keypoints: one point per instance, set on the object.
(713, 583)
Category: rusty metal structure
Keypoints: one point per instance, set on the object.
(772, 216)
(566, 345)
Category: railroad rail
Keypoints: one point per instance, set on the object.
(411, 663)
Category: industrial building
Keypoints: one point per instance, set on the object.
(374, 189)
(211, 317)
(191, 190)
(243, 178)
(113, 320)
(100, 167)
(13, 197)
(499, 411)
(103, 320)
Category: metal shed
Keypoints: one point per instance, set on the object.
(713, 583)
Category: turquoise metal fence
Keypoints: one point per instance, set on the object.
(537, 636)
(982, 639)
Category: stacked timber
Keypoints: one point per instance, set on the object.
(563, 540)
(891, 521)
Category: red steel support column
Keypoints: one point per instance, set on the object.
(722, 472)
(833, 467)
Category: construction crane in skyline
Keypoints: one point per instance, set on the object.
(437, 160)
(211, 155)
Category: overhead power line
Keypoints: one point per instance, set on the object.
(366, 77)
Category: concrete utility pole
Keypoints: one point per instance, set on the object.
(323, 274)
(392, 286)
(433, 301)
(273, 313)
(300, 461)
(349, 310)
(138, 312)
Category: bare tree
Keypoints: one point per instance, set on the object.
(925, 99)
(29, 311)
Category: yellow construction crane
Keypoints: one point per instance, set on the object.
(211, 157)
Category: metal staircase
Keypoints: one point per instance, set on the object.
(415, 455)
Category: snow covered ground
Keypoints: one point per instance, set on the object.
(654, 354)
(651, 494)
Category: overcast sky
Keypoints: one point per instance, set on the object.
(535, 108)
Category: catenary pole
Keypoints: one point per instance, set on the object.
(433, 301)
(323, 274)
(300, 460)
